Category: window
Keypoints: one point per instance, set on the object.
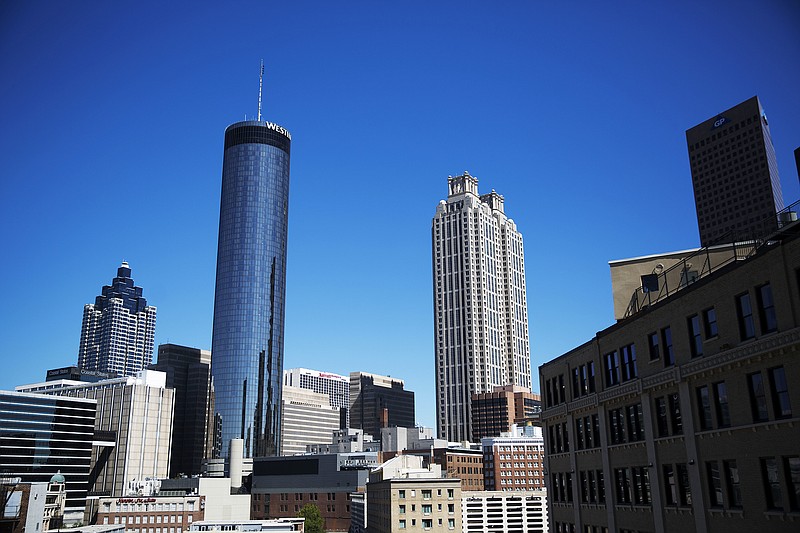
(641, 485)
(611, 361)
(622, 485)
(714, 484)
(792, 469)
(652, 345)
(780, 393)
(662, 427)
(617, 426)
(721, 404)
(427, 509)
(426, 494)
(758, 398)
(704, 407)
(670, 488)
(402, 524)
(675, 414)
(427, 523)
(772, 484)
(732, 483)
(629, 370)
(635, 422)
(684, 490)
(401, 494)
(766, 309)
(695, 339)
(666, 338)
(710, 323)
(402, 509)
(744, 313)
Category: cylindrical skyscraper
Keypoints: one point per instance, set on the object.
(247, 344)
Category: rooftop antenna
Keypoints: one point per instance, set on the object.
(260, 83)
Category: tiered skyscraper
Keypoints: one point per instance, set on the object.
(247, 343)
(737, 190)
(118, 330)
(480, 307)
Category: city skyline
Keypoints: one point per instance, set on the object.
(578, 118)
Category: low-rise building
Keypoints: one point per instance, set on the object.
(404, 495)
(283, 485)
(161, 513)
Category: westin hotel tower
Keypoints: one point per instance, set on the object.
(247, 344)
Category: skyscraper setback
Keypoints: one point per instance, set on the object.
(480, 306)
(247, 342)
(118, 329)
(737, 190)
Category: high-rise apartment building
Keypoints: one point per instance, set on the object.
(480, 306)
(737, 190)
(335, 386)
(247, 340)
(188, 372)
(118, 329)
(379, 402)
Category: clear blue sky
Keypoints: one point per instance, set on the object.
(111, 148)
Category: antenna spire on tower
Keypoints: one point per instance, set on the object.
(260, 83)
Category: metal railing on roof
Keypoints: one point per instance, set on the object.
(731, 247)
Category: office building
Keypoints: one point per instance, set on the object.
(188, 372)
(510, 512)
(118, 329)
(283, 485)
(514, 461)
(737, 190)
(44, 440)
(404, 495)
(495, 412)
(682, 416)
(335, 386)
(165, 513)
(379, 402)
(480, 307)
(307, 418)
(247, 340)
(132, 428)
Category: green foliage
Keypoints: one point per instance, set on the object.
(314, 521)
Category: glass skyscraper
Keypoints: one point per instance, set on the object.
(247, 344)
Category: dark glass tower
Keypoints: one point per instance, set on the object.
(247, 344)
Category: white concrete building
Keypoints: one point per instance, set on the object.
(510, 512)
(335, 386)
(307, 417)
(480, 307)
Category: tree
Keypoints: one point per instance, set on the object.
(314, 521)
